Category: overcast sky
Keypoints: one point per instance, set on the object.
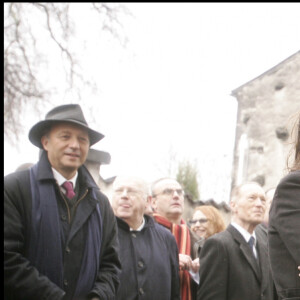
(167, 94)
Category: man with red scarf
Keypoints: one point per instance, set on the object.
(168, 205)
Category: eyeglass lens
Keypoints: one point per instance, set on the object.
(171, 191)
(201, 221)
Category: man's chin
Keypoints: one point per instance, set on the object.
(177, 210)
(70, 168)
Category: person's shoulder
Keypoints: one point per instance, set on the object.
(161, 229)
(261, 232)
(293, 176)
(101, 197)
(219, 238)
(17, 176)
(261, 229)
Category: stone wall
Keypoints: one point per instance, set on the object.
(267, 106)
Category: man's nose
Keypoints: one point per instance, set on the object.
(74, 143)
(260, 201)
(175, 194)
(124, 193)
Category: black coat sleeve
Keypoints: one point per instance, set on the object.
(107, 281)
(285, 214)
(174, 257)
(213, 271)
(21, 279)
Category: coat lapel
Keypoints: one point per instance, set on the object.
(84, 210)
(246, 251)
(263, 261)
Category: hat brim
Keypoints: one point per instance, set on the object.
(39, 129)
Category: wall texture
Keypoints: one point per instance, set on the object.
(267, 106)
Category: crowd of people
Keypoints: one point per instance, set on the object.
(65, 240)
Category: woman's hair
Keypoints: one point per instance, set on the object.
(214, 216)
(295, 150)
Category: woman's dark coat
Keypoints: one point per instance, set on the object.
(284, 236)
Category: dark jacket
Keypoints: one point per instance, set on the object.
(229, 270)
(150, 267)
(284, 236)
(23, 281)
(196, 245)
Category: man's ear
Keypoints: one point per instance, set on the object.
(232, 205)
(44, 142)
(153, 203)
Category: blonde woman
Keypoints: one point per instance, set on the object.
(206, 221)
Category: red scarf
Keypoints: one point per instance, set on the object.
(182, 236)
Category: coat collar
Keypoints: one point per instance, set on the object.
(86, 182)
(45, 172)
(246, 251)
(149, 222)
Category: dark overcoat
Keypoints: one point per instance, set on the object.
(150, 267)
(22, 280)
(229, 270)
(284, 236)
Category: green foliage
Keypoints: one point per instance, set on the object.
(187, 177)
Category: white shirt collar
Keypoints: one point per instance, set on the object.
(140, 228)
(61, 179)
(244, 232)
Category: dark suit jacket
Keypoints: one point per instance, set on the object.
(284, 236)
(229, 270)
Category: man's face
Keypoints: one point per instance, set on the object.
(67, 146)
(168, 198)
(129, 199)
(249, 206)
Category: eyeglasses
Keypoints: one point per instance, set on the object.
(130, 192)
(170, 192)
(201, 221)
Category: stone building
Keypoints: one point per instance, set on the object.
(267, 107)
(94, 160)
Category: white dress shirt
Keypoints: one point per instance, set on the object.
(61, 179)
(246, 235)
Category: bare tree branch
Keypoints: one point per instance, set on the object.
(23, 61)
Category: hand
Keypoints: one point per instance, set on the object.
(185, 262)
(195, 265)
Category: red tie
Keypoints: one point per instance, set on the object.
(68, 185)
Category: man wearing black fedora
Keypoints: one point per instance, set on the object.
(60, 233)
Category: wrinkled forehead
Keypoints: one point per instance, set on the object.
(132, 183)
(166, 184)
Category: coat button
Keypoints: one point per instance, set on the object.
(141, 291)
(65, 282)
(68, 250)
(64, 217)
(140, 264)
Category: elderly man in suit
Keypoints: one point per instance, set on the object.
(230, 268)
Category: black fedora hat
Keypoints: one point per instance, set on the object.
(70, 113)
